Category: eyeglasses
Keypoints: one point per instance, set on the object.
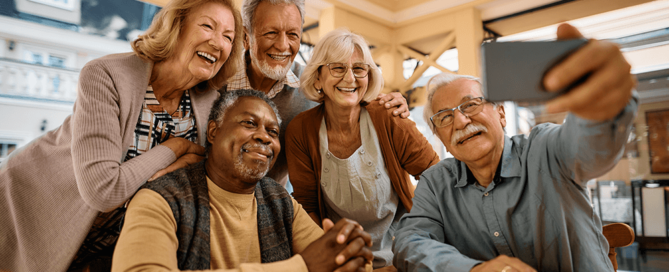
(339, 69)
(469, 108)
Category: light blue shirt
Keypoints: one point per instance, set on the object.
(536, 209)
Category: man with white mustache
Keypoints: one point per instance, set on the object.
(519, 203)
(223, 213)
(273, 31)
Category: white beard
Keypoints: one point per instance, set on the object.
(251, 173)
(276, 73)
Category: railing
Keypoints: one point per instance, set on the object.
(34, 81)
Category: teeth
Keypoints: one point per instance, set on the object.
(209, 57)
(348, 90)
(278, 57)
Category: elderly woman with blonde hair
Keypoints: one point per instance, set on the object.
(348, 158)
(137, 116)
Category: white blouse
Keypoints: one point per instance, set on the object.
(359, 188)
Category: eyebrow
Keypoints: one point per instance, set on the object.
(464, 98)
(255, 116)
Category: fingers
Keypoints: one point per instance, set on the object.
(605, 92)
(327, 224)
(567, 31)
(585, 60)
(346, 226)
(511, 264)
(352, 249)
(395, 100)
(194, 148)
(356, 264)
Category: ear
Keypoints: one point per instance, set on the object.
(502, 115)
(317, 84)
(247, 43)
(211, 131)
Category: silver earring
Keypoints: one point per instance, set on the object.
(320, 91)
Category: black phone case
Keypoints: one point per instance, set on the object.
(514, 71)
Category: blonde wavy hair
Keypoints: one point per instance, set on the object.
(338, 46)
(161, 38)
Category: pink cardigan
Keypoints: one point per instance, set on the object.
(52, 189)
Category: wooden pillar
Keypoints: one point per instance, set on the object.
(331, 18)
(391, 62)
(468, 38)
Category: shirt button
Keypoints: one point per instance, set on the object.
(327, 155)
(496, 234)
(369, 163)
(486, 194)
(362, 151)
(326, 170)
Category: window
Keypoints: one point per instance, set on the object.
(55, 61)
(34, 57)
(6, 148)
(63, 4)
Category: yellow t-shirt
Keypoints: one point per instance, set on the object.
(148, 240)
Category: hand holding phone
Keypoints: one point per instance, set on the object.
(592, 81)
(514, 71)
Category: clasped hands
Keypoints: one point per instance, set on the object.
(344, 247)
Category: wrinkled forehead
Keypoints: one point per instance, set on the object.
(254, 106)
(456, 93)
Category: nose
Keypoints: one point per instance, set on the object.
(460, 120)
(348, 76)
(262, 136)
(216, 42)
(282, 43)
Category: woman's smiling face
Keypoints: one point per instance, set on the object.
(346, 91)
(205, 41)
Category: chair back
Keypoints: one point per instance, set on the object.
(618, 235)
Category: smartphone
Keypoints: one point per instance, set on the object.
(514, 71)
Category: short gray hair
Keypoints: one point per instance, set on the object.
(227, 99)
(249, 8)
(436, 82)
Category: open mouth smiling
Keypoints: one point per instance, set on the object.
(279, 57)
(207, 57)
(347, 90)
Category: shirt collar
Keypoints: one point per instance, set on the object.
(510, 164)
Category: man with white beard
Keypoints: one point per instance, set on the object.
(273, 30)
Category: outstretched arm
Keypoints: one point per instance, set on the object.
(601, 109)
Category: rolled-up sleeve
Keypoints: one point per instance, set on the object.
(420, 243)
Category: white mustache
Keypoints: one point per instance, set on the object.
(470, 129)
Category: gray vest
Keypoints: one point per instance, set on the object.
(185, 190)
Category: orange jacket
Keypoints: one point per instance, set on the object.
(405, 151)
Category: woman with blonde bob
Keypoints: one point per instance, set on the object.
(137, 116)
(348, 158)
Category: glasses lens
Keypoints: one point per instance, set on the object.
(360, 69)
(443, 118)
(472, 107)
(337, 69)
